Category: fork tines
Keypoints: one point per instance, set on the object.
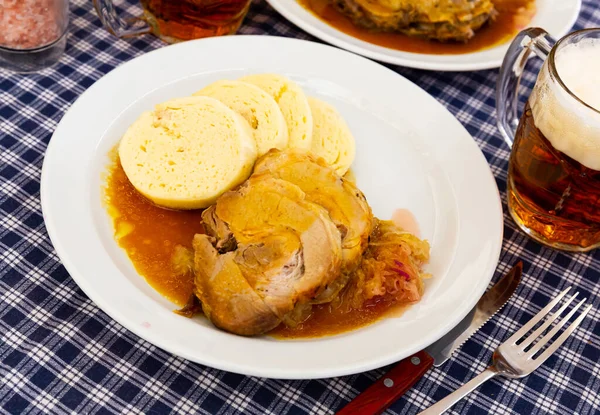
(527, 347)
(522, 353)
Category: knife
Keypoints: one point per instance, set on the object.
(391, 386)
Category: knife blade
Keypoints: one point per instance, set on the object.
(391, 386)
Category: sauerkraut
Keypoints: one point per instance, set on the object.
(391, 269)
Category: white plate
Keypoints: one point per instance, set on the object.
(555, 16)
(411, 153)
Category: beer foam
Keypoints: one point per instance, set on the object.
(569, 126)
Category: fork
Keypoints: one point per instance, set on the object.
(516, 359)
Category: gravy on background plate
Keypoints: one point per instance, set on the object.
(513, 16)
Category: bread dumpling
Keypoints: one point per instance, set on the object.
(187, 152)
(257, 107)
(332, 139)
(293, 104)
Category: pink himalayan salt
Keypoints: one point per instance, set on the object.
(27, 24)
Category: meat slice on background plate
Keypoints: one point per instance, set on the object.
(443, 20)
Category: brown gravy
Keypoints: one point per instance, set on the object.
(325, 321)
(513, 16)
(149, 235)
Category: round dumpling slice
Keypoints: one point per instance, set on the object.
(332, 139)
(187, 152)
(293, 104)
(257, 107)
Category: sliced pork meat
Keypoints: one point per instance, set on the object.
(346, 205)
(269, 252)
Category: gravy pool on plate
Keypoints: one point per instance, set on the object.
(513, 16)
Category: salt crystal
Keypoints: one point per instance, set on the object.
(28, 24)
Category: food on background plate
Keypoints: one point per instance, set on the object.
(257, 107)
(278, 251)
(187, 152)
(443, 20)
(293, 104)
(332, 139)
(445, 30)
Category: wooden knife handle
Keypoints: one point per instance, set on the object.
(391, 386)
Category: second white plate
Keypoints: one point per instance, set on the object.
(555, 16)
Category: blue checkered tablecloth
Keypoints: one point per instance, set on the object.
(59, 353)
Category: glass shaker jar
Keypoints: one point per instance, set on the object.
(33, 33)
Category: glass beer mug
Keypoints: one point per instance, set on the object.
(554, 169)
(176, 20)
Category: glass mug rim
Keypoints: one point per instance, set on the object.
(554, 72)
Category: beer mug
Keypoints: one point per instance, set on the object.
(176, 20)
(554, 169)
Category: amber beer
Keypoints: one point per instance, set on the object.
(175, 20)
(554, 169)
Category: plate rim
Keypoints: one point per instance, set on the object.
(412, 59)
(80, 280)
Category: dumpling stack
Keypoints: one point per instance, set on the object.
(188, 151)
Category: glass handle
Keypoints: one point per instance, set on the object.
(117, 26)
(534, 40)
